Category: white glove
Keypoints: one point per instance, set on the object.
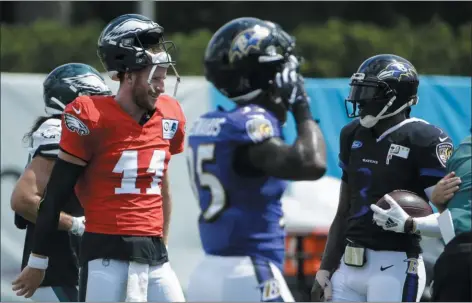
(78, 226)
(392, 219)
(323, 280)
(289, 84)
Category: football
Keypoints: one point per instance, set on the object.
(410, 202)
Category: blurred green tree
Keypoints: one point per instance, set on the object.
(333, 49)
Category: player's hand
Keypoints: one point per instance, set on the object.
(289, 84)
(444, 190)
(78, 226)
(322, 290)
(392, 219)
(28, 281)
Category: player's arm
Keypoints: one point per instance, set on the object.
(29, 190)
(176, 147)
(64, 176)
(166, 206)
(432, 156)
(322, 289)
(306, 158)
(432, 150)
(335, 243)
(76, 147)
(336, 236)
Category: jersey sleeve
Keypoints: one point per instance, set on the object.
(178, 141)
(254, 125)
(433, 150)
(346, 140)
(79, 125)
(45, 140)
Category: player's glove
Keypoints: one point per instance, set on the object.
(392, 219)
(289, 84)
(322, 290)
(78, 226)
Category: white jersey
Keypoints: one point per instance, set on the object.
(45, 140)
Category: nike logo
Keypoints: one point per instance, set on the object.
(77, 111)
(443, 139)
(384, 268)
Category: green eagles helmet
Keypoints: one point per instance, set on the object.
(67, 82)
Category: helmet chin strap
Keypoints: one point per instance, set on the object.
(162, 59)
(370, 121)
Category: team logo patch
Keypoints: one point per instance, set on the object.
(356, 144)
(412, 266)
(51, 133)
(75, 125)
(88, 82)
(444, 152)
(169, 128)
(270, 290)
(259, 129)
(247, 40)
(397, 151)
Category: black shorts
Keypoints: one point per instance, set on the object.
(149, 250)
(453, 271)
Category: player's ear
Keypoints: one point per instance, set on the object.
(129, 78)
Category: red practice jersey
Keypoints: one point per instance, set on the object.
(120, 189)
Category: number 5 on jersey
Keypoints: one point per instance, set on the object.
(128, 166)
(206, 154)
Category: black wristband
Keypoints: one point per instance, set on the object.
(301, 111)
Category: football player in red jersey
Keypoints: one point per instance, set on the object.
(115, 151)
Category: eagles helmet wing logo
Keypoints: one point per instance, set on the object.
(89, 82)
(397, 70)
(75, 125)
(126, 27)
(247, 40)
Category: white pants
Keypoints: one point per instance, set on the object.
(387, 276)
(107, 282)
(239, 279)
(55, 294)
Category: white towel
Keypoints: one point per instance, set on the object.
(137, 287)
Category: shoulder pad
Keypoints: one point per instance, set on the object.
(424, 134)
(83, 113)
(169, 104)
(257, 123)
(430, 140)
(350, 129)
(45, 140)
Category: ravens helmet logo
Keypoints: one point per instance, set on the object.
(247, 40)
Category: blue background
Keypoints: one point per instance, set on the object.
(443, 101)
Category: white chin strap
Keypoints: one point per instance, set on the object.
(369, 121)
(161, 59)
(248, 97)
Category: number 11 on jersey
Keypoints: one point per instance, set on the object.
(206, 154)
